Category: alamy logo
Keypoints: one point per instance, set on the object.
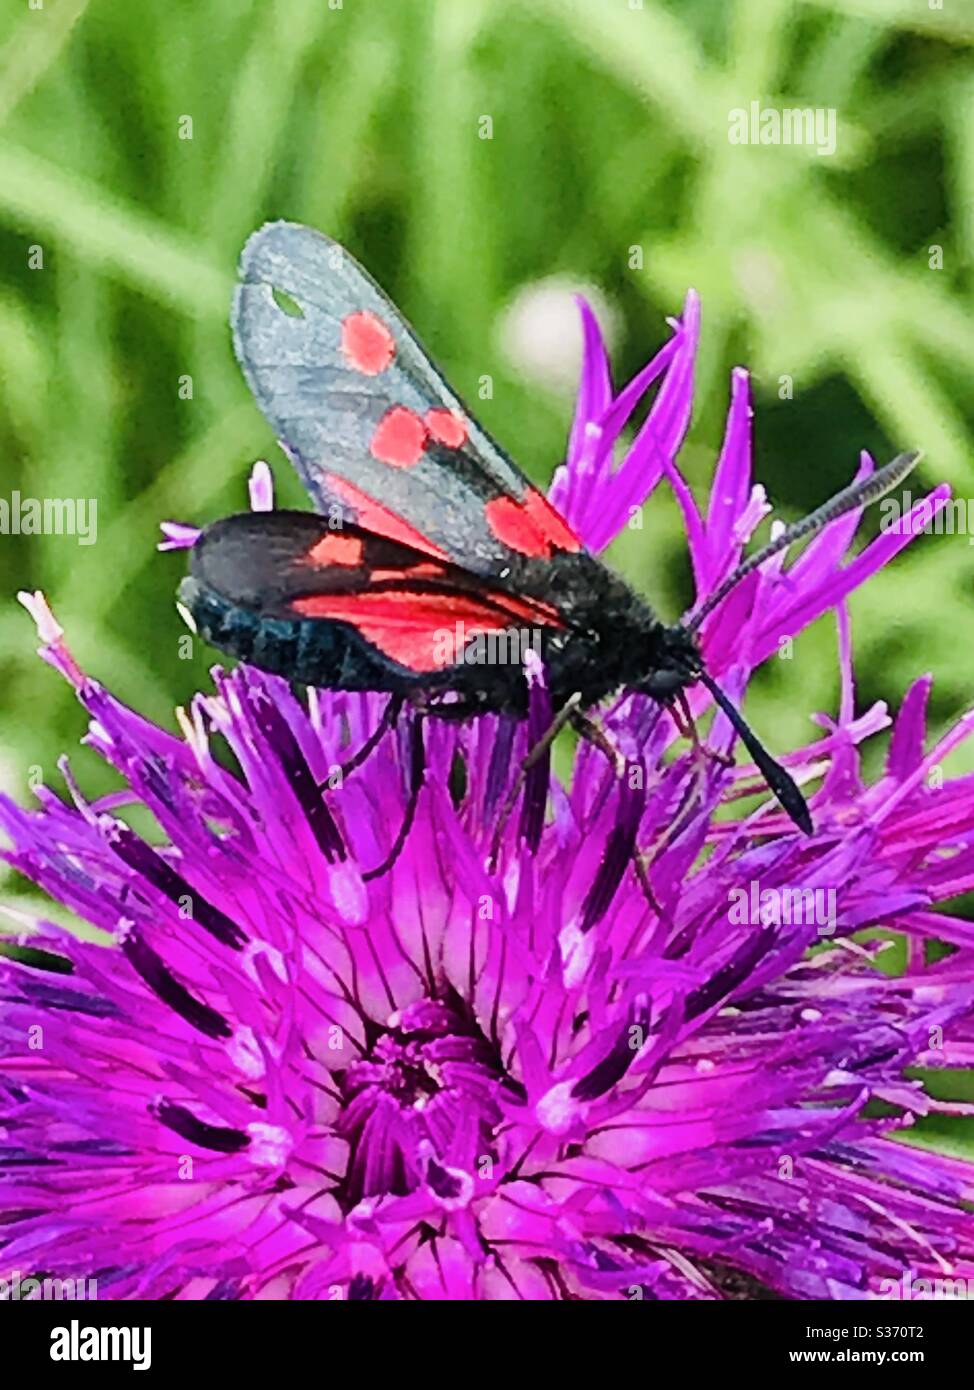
(78, 1343)
(50, 516)
(923, 1290)
(781, 906)
(21, 1289)
(954, 516)
(791, 125)
(508, 647)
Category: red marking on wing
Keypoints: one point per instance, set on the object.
(513, 607)
(421, 571)
(336, 549)
(399, 439)
(367, 343)
(532, 526)
(372, 516)
(415, 629)
(446, 428)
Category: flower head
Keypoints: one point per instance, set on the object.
(274, 1077)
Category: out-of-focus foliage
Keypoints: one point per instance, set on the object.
(609, 133)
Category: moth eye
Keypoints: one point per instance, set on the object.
(287, 303)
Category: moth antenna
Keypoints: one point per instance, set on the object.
(780, 781)
(855, 495)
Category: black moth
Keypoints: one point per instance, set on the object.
(424, 528)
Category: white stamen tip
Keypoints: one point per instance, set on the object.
(270, 1145)
(49, 629)
(261, 488)
(556, 1110)
(576, 949)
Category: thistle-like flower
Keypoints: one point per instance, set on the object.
(273, 1079)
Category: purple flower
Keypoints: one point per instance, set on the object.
(272, 1079)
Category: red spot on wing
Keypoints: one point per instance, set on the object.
(367, 343)
(399, 439)
(336, 549)
(532, 526)
(446, 428)
(415, 629)
(372, 516)
(551, 521)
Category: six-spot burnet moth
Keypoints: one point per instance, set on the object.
(424, 524)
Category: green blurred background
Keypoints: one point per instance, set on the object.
(610, 122)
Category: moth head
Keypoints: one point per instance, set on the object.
(675, 663)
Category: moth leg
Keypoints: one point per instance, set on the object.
(534, 754)
(594, 734)
(389, 717)
(683, 719)
(417, 774)
(685, 723)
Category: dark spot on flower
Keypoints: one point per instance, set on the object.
(444, 1183)
(617, 1061)
(724, 981)
(206, 1136)
(226, 1291)
(70, 1000)
(9, 1216)
(500, 762)
(279, 735)
(162, 982)
(736, 1285)
(459, 780)
(617, 857)
(104, 1148)
(17, 1157)
(143, 860)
